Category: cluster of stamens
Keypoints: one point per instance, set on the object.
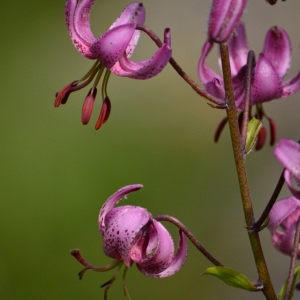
(96, 72)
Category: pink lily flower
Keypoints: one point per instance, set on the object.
(271, 67)
(288, 154)
(131, 235)
(283, 219)
(112, 52)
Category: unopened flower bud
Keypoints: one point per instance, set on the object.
(224, 16)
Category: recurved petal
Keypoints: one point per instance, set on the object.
(265, 73)
(82, 20)
(133, 13)
(238, 49)
(291, 86)
(113, 44)
(77, 18)
(148, 68)
(123, 225)
(159, 253)
(287, 241)
(278, 50)
(283, 242)
(176, 263)
(112, 201)
(215, 88)
(288, 154)
(281, 211)
(178, 259)
(205, 73)
(289, 179)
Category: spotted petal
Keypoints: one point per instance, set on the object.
(176, 263)
(112, 45)
(148, 68)
(122, 227)
(133, 13)
(112, 201)
(77, 17)
(267, 84)
(278, 50)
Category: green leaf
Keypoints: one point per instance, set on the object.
(253, 129)
(283, 289)
(232, 277)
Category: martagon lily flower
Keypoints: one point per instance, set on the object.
(267, 77)
(112, 52)
(131, 235)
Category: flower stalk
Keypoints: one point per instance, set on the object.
(231, 111)
(288, 290)
(214, 101)
(190, 236)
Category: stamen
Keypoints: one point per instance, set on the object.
(87, 107)
(96, 71)
(62, 96)
(89, 266)
(91, 74)
(105, 83)
(109, 283)
(124, 284)
(220, 129)
(91, 71)
(104, 113)
(272, 131)
(261, 138)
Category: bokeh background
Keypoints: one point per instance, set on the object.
(56, 173)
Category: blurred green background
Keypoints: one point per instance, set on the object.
(56, 173)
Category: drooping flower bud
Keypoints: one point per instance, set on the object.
(224, 16)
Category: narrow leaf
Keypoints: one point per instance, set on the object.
(232, 277)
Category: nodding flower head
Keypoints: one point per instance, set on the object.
(112, 52)
(271, 66)
(131, 235)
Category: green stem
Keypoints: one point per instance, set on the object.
(261, 265)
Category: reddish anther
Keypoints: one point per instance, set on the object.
(104, 113)
(87, 107)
